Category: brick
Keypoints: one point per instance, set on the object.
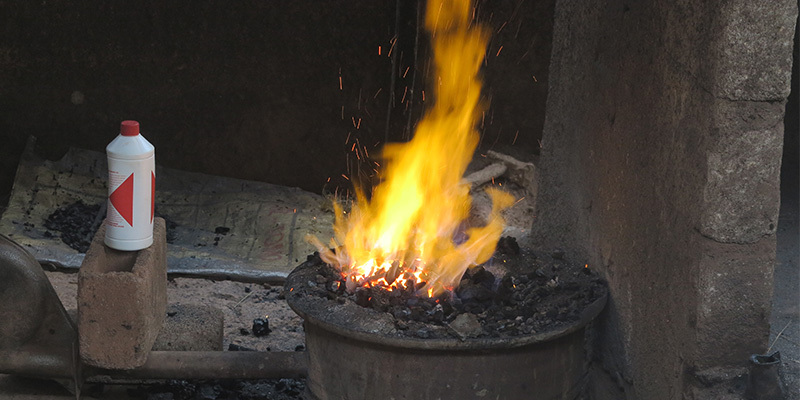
(122, 300)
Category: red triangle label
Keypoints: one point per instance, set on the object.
(152, 195)
(122, 199)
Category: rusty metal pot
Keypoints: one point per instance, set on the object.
(366, 361)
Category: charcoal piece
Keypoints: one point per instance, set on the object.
(558, 254)
(206, 392)
(363, 296)
(423, 333)
(300, 347)
(236, 347)
(221, 230)
(473, 292)
(508, 245)
(482, 276)
(400, 312)
(261, 327)
(291, 387)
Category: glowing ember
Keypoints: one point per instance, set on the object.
(406, 233)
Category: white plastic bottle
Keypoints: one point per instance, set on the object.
(131, 190)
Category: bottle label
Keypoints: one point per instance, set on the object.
(131, 203)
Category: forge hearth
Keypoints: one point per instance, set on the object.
(359, 350)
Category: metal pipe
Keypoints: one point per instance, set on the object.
(213, 365)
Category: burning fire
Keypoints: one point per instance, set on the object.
(411, 231)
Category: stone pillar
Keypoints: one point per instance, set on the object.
(660, 167)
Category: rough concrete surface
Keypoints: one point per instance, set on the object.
(121, 301)
(646, 168)
(734, 293)
(753, 56)
(190, 327)
(741, 196)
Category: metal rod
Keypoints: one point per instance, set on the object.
(213, 365)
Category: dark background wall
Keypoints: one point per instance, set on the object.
(250, 89)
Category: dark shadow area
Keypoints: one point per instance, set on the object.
(785, 319)
(290, 93)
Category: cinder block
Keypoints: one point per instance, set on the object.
(190, 327)
(122, 301)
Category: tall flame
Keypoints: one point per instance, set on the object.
(407, 230)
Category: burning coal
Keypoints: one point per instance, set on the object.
(410, 230)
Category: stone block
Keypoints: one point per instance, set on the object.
(734, 297)
(122, 300)
(753, 50)
(190, 327)
(741, 196)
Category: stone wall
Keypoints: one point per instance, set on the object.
(660, 167)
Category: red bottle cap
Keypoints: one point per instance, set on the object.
(129, 128)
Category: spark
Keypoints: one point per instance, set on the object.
(515, 138)
(359, 124)
(345, 177)
(520, 199)
(498, 51)
(340, 82)
(394, 40)
(376, 93)
(502, 26)
(406, 72)
(379, 49)
(404, 95)
(348, 138)
(534, 79)
(523, 56)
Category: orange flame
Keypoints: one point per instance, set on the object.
(405, 232)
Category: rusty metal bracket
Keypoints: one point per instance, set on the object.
(38, 338)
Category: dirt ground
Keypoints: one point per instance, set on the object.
(240, 303)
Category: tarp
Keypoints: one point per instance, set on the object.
(267, 223)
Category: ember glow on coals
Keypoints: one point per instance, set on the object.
(412, 227)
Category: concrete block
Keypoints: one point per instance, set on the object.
(122, 300)
(190, 327)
